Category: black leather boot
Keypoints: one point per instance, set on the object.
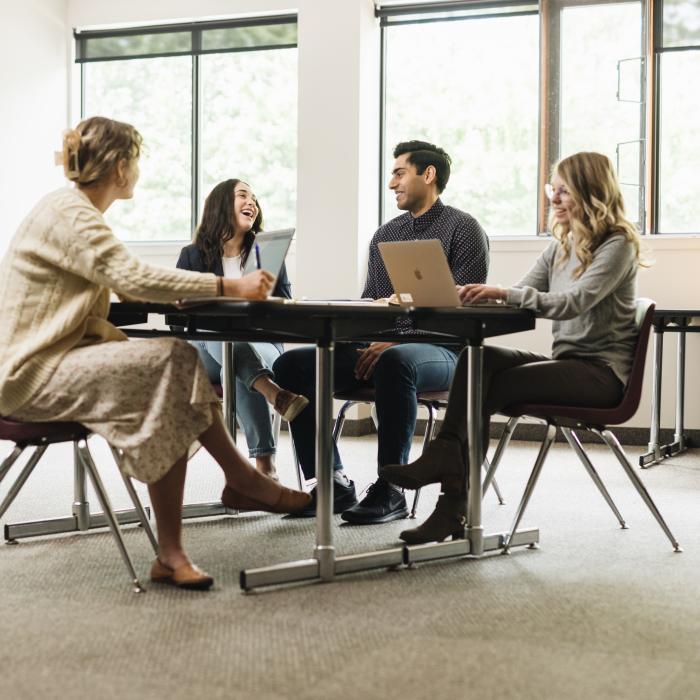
(448, 519)
(443, 460)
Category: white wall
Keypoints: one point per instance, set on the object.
(34, 43)
(338, 133)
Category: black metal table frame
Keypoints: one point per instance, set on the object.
(668, 321)
(324, 325)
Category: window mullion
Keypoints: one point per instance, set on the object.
(196, 123)
(652, 25)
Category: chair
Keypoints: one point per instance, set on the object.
(40, 436)
(430, 400)
(594, 420)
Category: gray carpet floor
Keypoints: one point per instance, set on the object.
(596, 612)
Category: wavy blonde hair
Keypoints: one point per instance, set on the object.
(92, 150)
(598, 211)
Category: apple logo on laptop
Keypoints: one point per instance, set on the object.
(418, 274)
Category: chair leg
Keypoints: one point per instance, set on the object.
(541, 456)
(138, 507)
(496, 460)
(494, 484)
(97, 484)
(427, 437)
(612, 442)
(297, 466)
(340, 420)
(577, 447)
(276, 426)
(9, 461)
(23, 475)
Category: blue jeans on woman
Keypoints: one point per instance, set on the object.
(251, 361)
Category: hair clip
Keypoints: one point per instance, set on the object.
(69, 156)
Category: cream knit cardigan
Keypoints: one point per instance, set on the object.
(55, 283)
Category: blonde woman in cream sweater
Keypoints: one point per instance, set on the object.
(61, 359)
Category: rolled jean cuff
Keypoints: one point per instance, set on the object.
(263, 372)
(261, 452)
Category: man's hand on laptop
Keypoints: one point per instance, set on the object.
(479, 293)
(369, 357)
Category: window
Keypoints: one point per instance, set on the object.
(468, 82)
(213, 101)
(155, 95)
(678, 56)
(599, 89)
(250, 131)
(509, 88)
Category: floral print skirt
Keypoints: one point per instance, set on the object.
(149, 398)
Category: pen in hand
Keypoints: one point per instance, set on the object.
(257, 257)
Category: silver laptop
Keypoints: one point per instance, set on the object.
(419, 272)
(272, 250)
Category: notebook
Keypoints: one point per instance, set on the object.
(419, 272)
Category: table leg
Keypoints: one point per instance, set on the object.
(324, 565)
(324, 551)
(653, 454)
(475, 542)
(475, 530)
(678, 437)
(228, 382)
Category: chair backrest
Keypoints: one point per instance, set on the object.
(644, 312)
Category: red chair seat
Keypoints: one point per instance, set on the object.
(40, 433)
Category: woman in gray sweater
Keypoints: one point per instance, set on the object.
(585, 282)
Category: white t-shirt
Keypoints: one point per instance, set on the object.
(232, 267)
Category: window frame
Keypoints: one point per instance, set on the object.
(196, 29)
(651, 50)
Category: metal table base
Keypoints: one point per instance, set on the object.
(325, 565)
(400, 557)
(666, 321)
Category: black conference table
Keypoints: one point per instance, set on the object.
(324, 324)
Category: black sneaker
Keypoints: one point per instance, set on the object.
(344, 497)
(383, 503)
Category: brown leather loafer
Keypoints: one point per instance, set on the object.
(290, 405)
(186, 576)
(289, 501)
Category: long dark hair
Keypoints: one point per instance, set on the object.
(216, 225)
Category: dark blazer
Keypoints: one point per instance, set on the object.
(191, 259)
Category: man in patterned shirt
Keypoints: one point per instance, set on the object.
(397, 371)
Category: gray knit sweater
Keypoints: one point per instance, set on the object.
(594, 314)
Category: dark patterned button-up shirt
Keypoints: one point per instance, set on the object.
(465, 244)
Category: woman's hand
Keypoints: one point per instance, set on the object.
(256, 285)
(474, 293)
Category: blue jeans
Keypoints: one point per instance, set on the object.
(251, 361)
(401, 372)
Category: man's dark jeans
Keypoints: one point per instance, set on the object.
(400, 373)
